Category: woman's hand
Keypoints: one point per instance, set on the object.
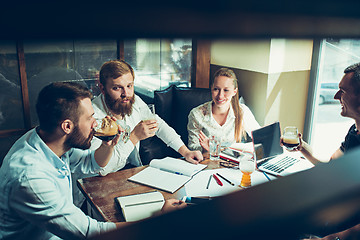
(204, 141)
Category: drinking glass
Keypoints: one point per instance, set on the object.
(146, 115)
(112, 130)
(291, 138)
(214, 145)
(125, 134)
(247, 167)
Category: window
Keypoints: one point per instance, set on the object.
(90, 56)
(159, 63)
(75, 61)
(329, 127)
(11, 107)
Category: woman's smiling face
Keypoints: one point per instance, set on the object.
(223, 90)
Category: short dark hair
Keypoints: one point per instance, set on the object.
(355, 68)
(114, 69)
(59, 101)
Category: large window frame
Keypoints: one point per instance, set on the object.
(199, 77)
(313, 83)
(325, 128)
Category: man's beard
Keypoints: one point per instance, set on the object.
(77, 140)
(117, 107)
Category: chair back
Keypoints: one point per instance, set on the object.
(175, 103)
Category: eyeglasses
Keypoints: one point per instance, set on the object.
(228, 164)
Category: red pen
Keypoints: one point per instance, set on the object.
(217, 180)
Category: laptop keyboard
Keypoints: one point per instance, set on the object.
(280, 165)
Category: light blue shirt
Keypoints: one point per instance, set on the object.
(36, 192)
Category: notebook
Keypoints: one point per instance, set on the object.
(270, 156)
(167, 174)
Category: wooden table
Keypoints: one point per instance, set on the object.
(100, 192)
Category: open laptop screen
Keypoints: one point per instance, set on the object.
(266, 141)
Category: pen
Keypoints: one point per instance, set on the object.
(178, 173)
(217, 180)
(225, 179)
(266, 176)
(143, 203)
(207, 187)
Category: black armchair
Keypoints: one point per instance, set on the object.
(173, 105)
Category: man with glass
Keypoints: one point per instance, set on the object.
(119, 100)
(36, 200)
(349, 97)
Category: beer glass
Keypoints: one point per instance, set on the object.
(247, 167)
(146, 115)
(111, 130)
(291, 138)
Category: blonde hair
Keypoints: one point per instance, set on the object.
(238, 112)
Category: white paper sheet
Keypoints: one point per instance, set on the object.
(196, 187)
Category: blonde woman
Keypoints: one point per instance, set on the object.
(224, 117)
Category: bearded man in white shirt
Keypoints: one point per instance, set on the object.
(119, 100)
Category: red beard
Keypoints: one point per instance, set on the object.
(117, 107)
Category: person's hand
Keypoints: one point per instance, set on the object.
(298, 148)
(173, 204)
(204, 141)
(115, 140)
(145, 129)
(193, 157)
(122, 224)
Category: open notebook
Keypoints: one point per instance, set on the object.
(270, 156)
(168, 174)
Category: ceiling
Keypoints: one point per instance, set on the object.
(195, 19)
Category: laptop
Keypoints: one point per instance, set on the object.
(270, 157)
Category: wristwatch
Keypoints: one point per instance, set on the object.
(337, 238)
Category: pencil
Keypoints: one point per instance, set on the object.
(225, 179)
(207, 187)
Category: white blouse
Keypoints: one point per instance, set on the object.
(201, 118)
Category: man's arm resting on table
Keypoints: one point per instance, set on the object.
(169, 205)
(306, 150)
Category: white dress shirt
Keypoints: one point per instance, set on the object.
(201, 118)
(36, 192)
(124, 152)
